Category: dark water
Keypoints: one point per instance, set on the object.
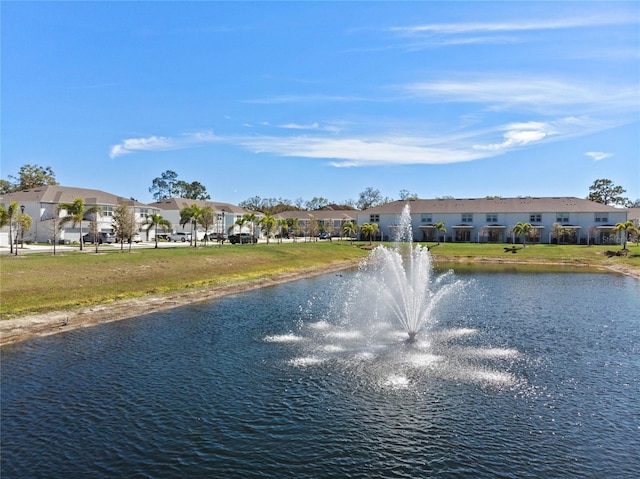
(524, 376)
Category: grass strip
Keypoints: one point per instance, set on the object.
(38, 283)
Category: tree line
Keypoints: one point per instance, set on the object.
(168, 185)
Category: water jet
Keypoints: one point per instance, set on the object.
(397, 282)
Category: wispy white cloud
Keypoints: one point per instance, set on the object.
(520, 134)
(512, 26)
(598, 155)
(544, 94)
(298, 126)
(311, 126)
(434, 148)
(356, 151)
(161, 143)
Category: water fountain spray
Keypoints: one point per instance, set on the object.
(403, 275)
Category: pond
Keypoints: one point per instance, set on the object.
(519, 375)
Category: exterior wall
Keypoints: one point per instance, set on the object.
(45, 217)
(330, 221)
(584, 227)
(173, 216)
(45, 220)
(225, 217)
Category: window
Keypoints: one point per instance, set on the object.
(374, 218)
(535, 218)
(144, 212)
(602, 217)
(492, 217)
(107, 211)
(467, 217)
(426, 218)
(562, 217)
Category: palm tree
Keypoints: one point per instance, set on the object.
(294, 227)
(240, 222)
(156, 221)
(283, 227)
(251, 218)
(191, 214)
(6, 218)
(369, 230)
(522, 229)
(439, 227)
(24, 222)
(626, 227)
(76, 212)
(206, 219)
(349, 229)
(267, 223)
(558, 231)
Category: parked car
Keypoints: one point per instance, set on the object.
(163, 237)
(219, 237)
(101, 238)
(136, 238)
(181, 236)
(242, 238)
(324, 235)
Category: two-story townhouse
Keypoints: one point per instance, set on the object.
(553, 219)
(42, 204)
(225, 217)
(314, 222)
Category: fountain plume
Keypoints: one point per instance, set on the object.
(402, 278)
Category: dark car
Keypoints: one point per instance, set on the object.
(242, 238)
(101, 238)
(219, 237)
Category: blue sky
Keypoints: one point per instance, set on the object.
(325, 99)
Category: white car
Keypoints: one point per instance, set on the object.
(136, 238)
(180, 236)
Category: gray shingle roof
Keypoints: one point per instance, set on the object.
(176, 204)
(324, 215)
(66, 194)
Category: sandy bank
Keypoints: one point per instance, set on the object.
(28, 327)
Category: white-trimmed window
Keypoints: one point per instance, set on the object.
(144, 212)
(107, 211)
(492, 217)
(535, 218)
(602, 217)
(562, 217)
(426, 218)
(374, 218)
(467, 217)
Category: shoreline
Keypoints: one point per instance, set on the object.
(21, 329)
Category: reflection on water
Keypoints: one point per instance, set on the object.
(521, 375)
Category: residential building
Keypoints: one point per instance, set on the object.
(225, 216)
(491, 220)
(634, 215)
(313, 222)
(42, 204)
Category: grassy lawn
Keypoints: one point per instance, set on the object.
(32, 283)
(538, 253)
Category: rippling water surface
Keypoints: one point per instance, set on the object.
(523, 375)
